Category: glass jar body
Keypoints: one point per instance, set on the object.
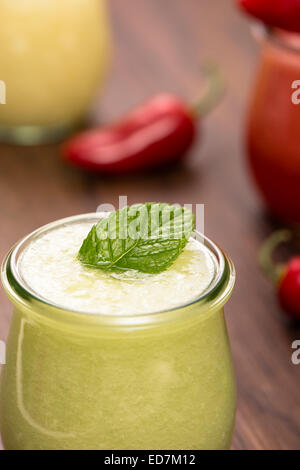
(273, 126)
(167, 387)
(54, 57)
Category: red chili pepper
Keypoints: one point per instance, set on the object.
(286, 277)
(289, 288)
(283, 14)
(157, 133)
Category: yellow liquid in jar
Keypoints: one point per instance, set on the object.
(54, 56)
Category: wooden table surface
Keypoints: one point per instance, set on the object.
(159, 45)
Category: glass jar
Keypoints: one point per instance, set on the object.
(274, 124)
(152, 381)
(54, 56)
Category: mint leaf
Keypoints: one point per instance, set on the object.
(145, 237)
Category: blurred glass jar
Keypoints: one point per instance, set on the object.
(274, 124)
(54, 55)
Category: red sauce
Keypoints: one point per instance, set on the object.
(274, 126)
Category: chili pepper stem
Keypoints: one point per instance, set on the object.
(213, 91)
(273, 270)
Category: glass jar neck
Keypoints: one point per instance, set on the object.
(278, 38)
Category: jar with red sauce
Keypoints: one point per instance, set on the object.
(273, 134)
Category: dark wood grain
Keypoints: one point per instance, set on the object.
(159, 45)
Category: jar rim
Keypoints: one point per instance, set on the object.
(275, 35)
(214, 296)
